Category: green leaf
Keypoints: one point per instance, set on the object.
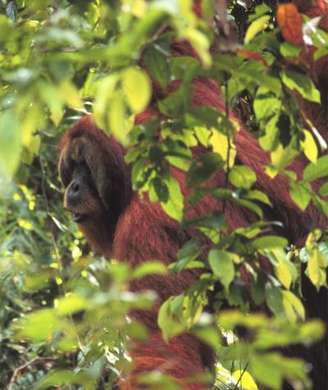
(316, 268)
(273, 297)
(250, 206)
(313, 268)
(10, 143)
(174, 205)
(302, 84)
(70, 95)
(40, 325)
(52, 98)
(293, 306)
(64, 378)
(117, 117)
(245, 380)
(310, 147)
(289, 50)
(260, 196)
(324, 190)
(257, 73)
(168, 322)
(156, 379)
(281, 157)
(201, 43)
(137, 89)
(270, 139)
(316, 170)
(156, 63)
(188, 253)
(106, 88)
(71, 303)
(300, 195)
(267, 371)
(203, 168)
(222, 265)
(149, 268)
(158, 191)
(283, 274)
(242, 177)
(174, 104)
(266, 104)
(256, 27)
(208, 334)
(270, 369)
(269, 242)
(321, 205)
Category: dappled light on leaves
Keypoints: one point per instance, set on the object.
(207, 178)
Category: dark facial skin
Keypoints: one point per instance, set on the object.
(82, 200)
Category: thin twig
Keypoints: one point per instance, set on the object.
(21, 368)
(227, 114)
(241, 375)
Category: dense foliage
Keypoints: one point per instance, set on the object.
(63, 313)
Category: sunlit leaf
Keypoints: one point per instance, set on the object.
(40, 325)
(256, 27)
(223, 146)
(283, 274)
(310, 147)
(245, 380)
(117, 117)
(316, 268)
(105, 91)
(269, 242)
(10, 143)
(149, 268)
(293, 306)
(137, 88)
(70, 95)
(302, 84)
(71, 303)
(242, 176)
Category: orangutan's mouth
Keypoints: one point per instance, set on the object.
(79, 218)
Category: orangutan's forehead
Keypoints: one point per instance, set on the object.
(76, 150)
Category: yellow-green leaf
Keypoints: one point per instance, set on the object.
(310, 147)
(71, 303)
(104, 94)
(70, 95)
(256, 27)
(117, 117)
(300, 195)
(283, 274)
(293, 306)
(30, 123)
(10, 143)
(137, 89)
(223, 147)
(316, 274)
(245, 380)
